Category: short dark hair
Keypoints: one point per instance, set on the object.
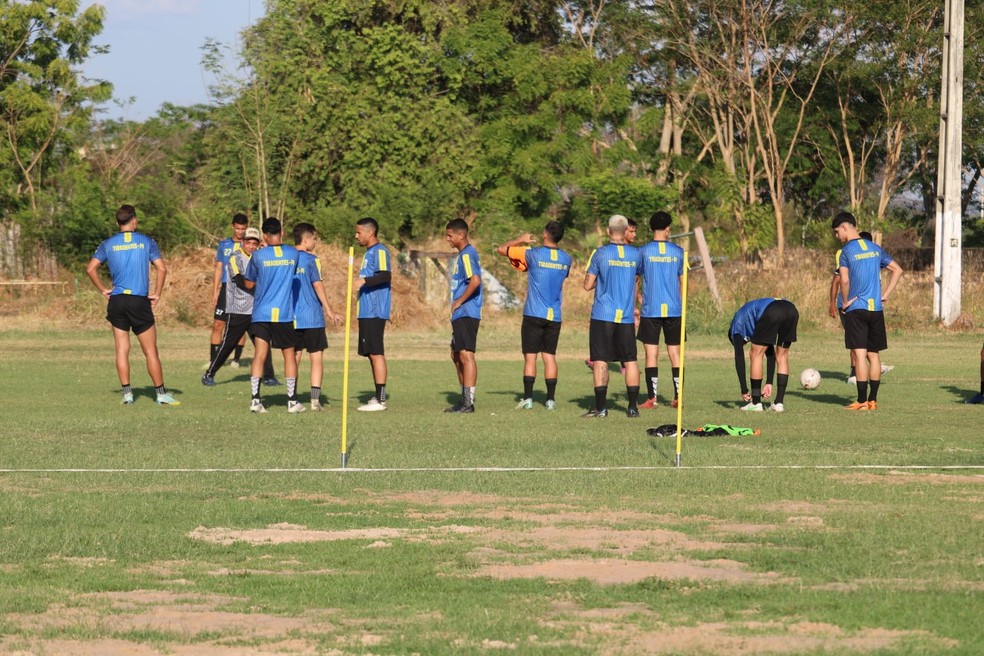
(125, 214)
(240, 219)
(864, 234)
(302, 230)
(555, 230)
(272, 226)
(660, 220)
(371, 222)
(457, 225)
(843, 217)
(632, 223)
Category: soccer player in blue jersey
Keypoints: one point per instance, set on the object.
(612, 275)
(270, 273)
(860, 265)
(770, 325)
(220, 279)
(310, 307)
(375, 297)
(129, 255)
(548, 268)
(661, 268)
(466, 313)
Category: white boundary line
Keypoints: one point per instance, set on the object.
(388, 470)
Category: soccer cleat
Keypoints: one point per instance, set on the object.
(551, 405)
(234, 364)
(594, 412)
(649, 404)
(128, 399)
(373, 405)
(872, 405)
(315, 406)
(208, 381)
(295, 407)
(857, 405)
(675, 403)
(632, 413)
(886, 368)
(256, 406)
(852, 380)
(776, 407)
(167, 399)
(271, 382)
(976, 399)
(525, 404)
(460, 409)
(752, 407)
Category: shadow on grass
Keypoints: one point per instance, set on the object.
(960, 393)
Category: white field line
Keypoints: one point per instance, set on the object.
(388, 470)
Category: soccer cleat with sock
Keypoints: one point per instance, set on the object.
(776, 407)
(551, 405)
(632, 413)
(525, 404)
(256, 406)
(595, 413)
(128, 398)
(295, 407)
(857, 405)
(649, 404)
(976, 399)
(752, 407)
(675, 403)
(316, 406)
(167, 399)
(460, 409)
(373, 405)
(208, 381)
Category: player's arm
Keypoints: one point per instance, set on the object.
(161, 269)
(845, 289)
(92, 270)
(525, 238)
(473, 284)
(739, 343)
(835, 285)
(377, 279)
(319, 291)
(590, 280)
(896, 274)
(216, 281)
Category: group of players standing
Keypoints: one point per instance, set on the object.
(275, 294)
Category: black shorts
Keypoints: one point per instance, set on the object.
(311, 340)
(649, 329)
(278, 335)
(464, 334)
(371, 337)
(612, 342)
(128, 312)
(220, 313)
(777, 325)
(864, 329)
(539, 335)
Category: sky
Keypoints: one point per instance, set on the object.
(155, 49)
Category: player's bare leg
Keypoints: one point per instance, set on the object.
(756, 357)
(121, 342)
(529, 365)
(148, 344)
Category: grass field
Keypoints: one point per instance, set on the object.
(196, 530)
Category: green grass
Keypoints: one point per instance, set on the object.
(859, 553)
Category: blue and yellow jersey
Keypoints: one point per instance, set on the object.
(548, 268)
(615, 267)
(661, 267)
(465, 266)
(375, 300)
(864, 260)
(223, 252)
(746, 317)
(272, 269)
(308, 312)
(128, 255)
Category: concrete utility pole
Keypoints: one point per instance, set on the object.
(946, 289)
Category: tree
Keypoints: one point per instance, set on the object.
(45, 105)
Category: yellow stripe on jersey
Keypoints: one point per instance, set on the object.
(275, 315)
(863, 245)
(662, 247)
(553, 254)
(621, 251)
(127, 291)
(871, 305)
(837, 260)
(127, 237)
(317, 263)
(664, 310)
(383, 266)
(618, 316)
(237, 246)
(591, 258)
(278, 251)
(550, 314)
(466, 260)
(234, 267)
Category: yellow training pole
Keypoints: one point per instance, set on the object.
(345, 356)
(683, 350)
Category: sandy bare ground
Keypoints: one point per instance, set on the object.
(509, 538)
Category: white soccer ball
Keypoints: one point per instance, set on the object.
(810, 379)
